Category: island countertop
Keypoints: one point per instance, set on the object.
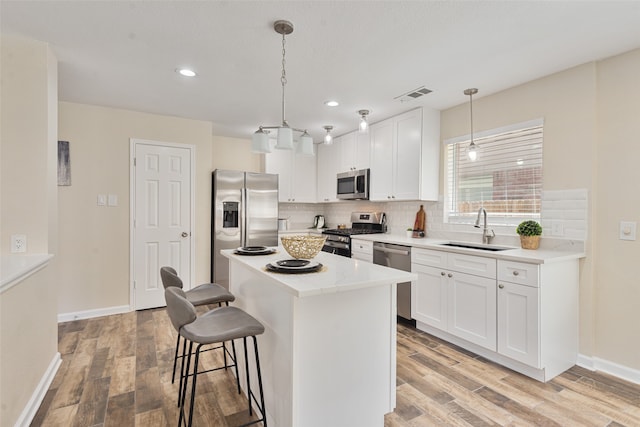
(338, 274)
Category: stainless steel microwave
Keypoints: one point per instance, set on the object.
(353, 185)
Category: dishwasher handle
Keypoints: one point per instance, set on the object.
(391, 251)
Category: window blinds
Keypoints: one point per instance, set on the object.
(506, 178)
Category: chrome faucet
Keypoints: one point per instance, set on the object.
(487, 234)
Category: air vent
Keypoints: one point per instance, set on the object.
(411, 95)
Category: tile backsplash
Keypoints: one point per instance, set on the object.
(564, 216)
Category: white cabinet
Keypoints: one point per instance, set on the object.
(354, 151)
(405, 156)
(521, 315)
(328, 169)
(362, 250)
(456, 293)
(297, 175)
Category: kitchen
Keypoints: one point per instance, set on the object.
(603, 92)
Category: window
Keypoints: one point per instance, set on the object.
(505, 179)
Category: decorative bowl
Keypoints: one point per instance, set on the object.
(303, 247)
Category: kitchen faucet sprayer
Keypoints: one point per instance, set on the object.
(487, 234)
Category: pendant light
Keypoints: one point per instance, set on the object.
(364, 125)
(305, 146)
(472, 150)
(328, 139)
(285, 132)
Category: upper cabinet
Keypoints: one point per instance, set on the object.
(328, 169)
(354, 151)
(405, 156)
(297, 175)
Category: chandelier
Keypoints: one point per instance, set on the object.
(260, 139)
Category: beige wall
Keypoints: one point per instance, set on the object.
(28, 321)
(94, 240)
(617, 292)
(590, 118)
(235, 154)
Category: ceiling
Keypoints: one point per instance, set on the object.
(363, 54)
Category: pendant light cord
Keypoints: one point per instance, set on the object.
(283, 78)
(471, 115)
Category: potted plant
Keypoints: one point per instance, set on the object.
(529, 232)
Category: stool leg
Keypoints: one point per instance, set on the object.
(183, 384)
(193, 385)
(175, 360)
(246, 365)
(263, 409)
(235, 362)
(182, 375)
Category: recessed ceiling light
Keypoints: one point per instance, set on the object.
(331, 103)
(186, 72)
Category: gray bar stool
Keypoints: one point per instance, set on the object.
(205, 294)
(216, 326)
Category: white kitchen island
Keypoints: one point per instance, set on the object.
(328, 353)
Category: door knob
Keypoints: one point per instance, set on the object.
(501, 286)
(185, 234)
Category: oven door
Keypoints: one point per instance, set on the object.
(337, 248)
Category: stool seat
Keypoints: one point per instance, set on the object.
(222, 324)
(209, 293)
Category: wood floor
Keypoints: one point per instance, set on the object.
(116, 371)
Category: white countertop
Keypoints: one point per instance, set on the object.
(539, 256)
(339, 274)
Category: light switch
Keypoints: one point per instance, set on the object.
(113, 200)
(102, 200)
(628, 230)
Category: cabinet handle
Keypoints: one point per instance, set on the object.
(501, 286)
(442, 273)
(449, 275)
(515, 273)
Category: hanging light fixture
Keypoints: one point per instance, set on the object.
(285, 132)
(305, 146)
(328, 139)
(472, 151)
(364, 125)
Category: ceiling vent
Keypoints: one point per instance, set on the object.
(413, 94)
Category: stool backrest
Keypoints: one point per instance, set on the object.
(181, 311)
(170, 277)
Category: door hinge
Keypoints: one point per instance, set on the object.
(134, 161)
(134, 285)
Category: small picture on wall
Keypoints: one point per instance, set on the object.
(64, 163)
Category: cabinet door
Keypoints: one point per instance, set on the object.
(408, 140)
(304, 178)
(362, 150)
(347, 144)
(518, 323)
(279, 162)
(327, 171)
(429, 296)
(381, 187)
(471, 308)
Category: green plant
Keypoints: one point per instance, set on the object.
(529, 228)
(409, 229)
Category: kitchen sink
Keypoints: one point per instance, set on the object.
(480, 246)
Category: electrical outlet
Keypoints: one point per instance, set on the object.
(557, 229)
(18, 243)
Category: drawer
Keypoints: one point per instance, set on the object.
(476, 265)
(362, 246)
(518, 272)
(429, 257)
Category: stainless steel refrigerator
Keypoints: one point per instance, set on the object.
(244, 212)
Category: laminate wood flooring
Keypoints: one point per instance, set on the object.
(116, 371)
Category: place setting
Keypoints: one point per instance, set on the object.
(254, 250)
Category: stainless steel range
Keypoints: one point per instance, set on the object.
(339, 240)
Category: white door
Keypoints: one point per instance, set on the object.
(161, 217)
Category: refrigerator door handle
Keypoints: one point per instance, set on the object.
(243, 217)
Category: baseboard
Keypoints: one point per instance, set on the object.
(37, 397)
(89, 314)
(620, 371)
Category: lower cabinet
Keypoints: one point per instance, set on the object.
(362, 250)
(460, 303)
(523, 316)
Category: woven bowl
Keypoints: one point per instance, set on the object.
(303, 247)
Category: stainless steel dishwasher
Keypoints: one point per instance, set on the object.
(399, 257)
